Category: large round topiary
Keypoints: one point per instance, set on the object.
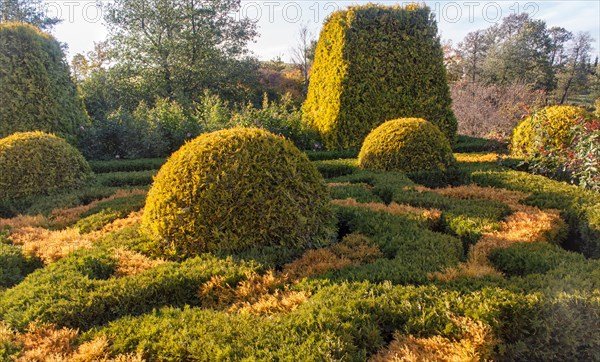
(36, 89)
(548, 129)
(235, 189)
(37, 163)
(375, 63)
(407, 145)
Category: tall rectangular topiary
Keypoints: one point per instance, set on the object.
(373, 64)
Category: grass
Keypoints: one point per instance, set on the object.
(470, 264)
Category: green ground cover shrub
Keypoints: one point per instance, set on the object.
(236, 189)
(351, 321)
(528, 258)
(373, 64)
(80, 292)
(468, 144)
(14, 266)
(579, 207)
(406, 145)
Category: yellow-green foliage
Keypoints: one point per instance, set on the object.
(550, 128)
(38, 93)
(36, 163)
(406, 144)
(234, 189)
(373, 64)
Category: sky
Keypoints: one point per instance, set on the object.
(278, 22)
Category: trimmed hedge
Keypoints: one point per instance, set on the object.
(236, 189)
(38, 93)
(37, 163)
(373, 64)
(406, 145)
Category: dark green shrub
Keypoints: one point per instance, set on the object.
(373, 64)
(38, 93)
(407, 145)
(37, 163)
(236, 189)
(335, 168)
(143, 164)
(120, 179)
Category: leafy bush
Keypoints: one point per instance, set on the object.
(235, 189)
(548, 130)
(108, 211)
(145, 132)
(406, 144)
(583, 157)
(281, 118)
(35, 163)
(373, 64)
(38, 93)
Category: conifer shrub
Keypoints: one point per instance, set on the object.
(546, 131)
(407, 145)
(37, 163)
(236, 189)
(38, 93)
(373, 64)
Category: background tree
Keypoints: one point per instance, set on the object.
(26, 11)
(574, 76)
(303, 54)
(473, 50)
(520, 52)
(181, 47)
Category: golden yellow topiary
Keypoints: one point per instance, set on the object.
(235, 189)
(406, 144)
(37, 163)
(550, 129)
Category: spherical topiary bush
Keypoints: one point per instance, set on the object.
(549, 129)
(406, 144)
(236, 189)
(37, 163)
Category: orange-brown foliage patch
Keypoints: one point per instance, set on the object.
(430, 215)
(279, 302)
(68, 216)
(469, 192)
(531, 225)
(52, 245)
(476, 158)
(342, 184)
(47, 343)
(21, 221)
(219, 294)
(354, 249)
(131, 263)
(49, 245)
(476, 344)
